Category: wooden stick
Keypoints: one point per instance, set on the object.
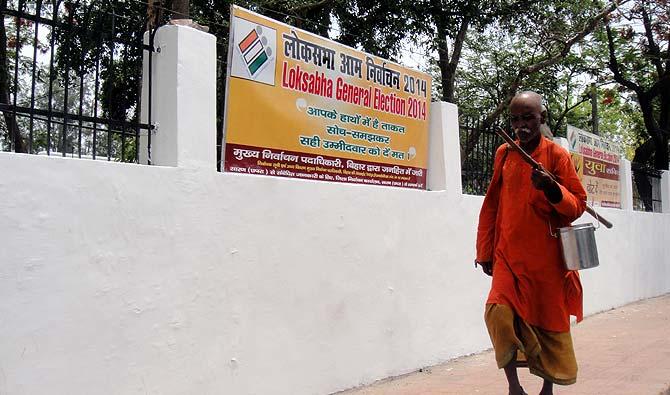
(528, 159)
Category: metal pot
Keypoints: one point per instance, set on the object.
(579, 246)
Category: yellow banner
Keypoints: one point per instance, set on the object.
(300, 105)
(597, 163)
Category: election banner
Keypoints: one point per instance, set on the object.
(597, 163)
(299, 105)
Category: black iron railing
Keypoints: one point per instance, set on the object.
(477, 168)
(71, 78)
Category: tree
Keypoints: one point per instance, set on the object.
(636, 39)
(446, 24)
(550, 48)
(637, 42)
(490, 63)
(451, 21)
(379, 27)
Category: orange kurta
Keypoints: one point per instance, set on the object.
(514, 232)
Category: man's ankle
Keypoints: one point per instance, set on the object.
(516, 390)
(547, 388)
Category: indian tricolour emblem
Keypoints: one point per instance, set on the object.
(254, 54)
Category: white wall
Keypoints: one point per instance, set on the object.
(122, 279)
(118, 279)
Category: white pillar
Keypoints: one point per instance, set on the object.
(665, 191)
(183, 98)
(444, 152)
(626, 185)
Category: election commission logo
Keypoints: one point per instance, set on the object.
(254, 54)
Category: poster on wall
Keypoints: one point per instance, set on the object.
(302, 106)
(597, 164)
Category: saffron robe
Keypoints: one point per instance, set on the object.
(515, 229)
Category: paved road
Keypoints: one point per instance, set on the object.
(625, 351)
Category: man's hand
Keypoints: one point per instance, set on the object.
(543, 181)
(487, 267)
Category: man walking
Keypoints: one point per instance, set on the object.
(532, 293)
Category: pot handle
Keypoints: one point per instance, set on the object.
(598, 217)
(551, 231)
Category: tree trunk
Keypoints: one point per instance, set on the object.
(641, 159)
(154, 13)
(180, 9)
(448, 89)
(443, 56)
(662, 156)
(644, 189)
(448, 65)
(655, 130)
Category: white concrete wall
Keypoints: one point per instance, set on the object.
(119, 279)
(123, 279)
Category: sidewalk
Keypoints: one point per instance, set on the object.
(625, 351)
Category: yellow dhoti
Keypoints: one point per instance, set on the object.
(547, 354)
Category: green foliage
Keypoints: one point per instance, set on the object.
(502, 37)
(620, 120)
(636, 55)
(378, 27)
(493, 57)
(81, 45)
(491, 62)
